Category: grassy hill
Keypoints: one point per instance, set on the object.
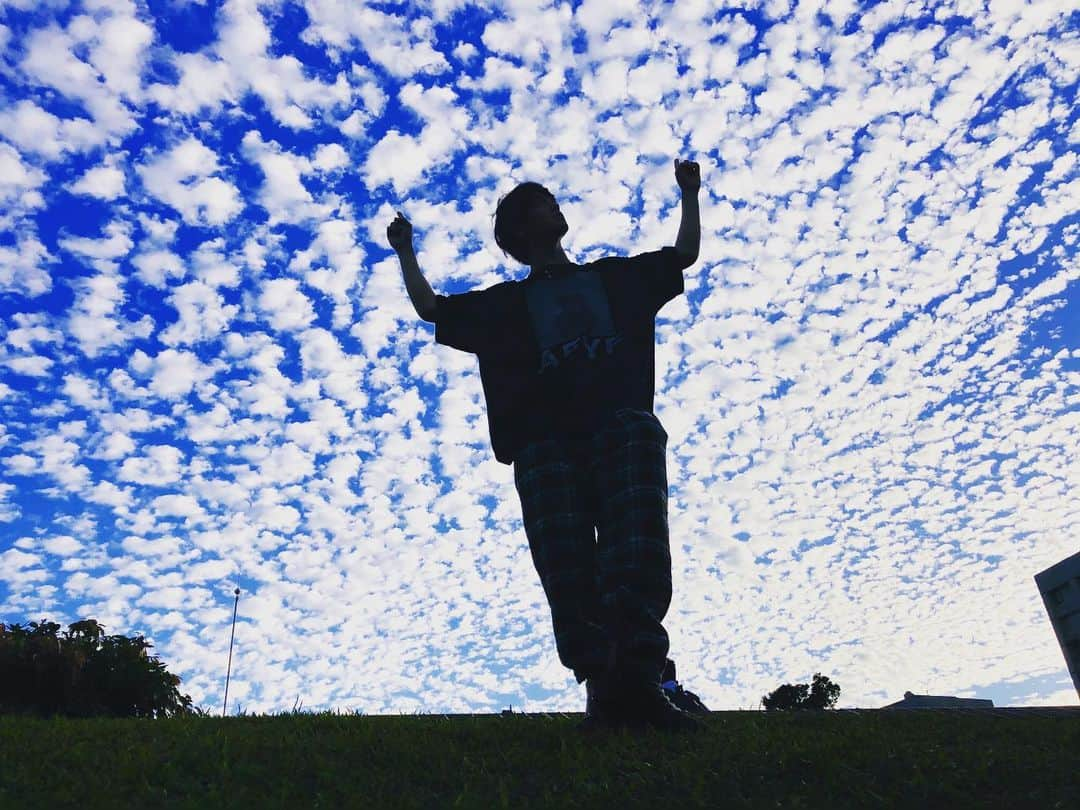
(745, 759)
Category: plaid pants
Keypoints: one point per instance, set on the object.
(608, 591)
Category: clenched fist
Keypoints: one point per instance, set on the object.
(687, 175)
(399, 233)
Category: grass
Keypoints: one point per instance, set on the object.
(745, 759)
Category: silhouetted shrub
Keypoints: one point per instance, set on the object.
(822, 694)
(83, 673)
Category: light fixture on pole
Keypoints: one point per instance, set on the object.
(228, 670)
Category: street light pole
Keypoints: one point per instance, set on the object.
(232, 635)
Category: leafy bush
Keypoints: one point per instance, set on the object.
(82, 673)
(822, 694)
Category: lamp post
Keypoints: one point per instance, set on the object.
(232, 635)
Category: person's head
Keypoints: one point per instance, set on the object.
(528, 219)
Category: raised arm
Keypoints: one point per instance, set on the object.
(399, 234)
(688, 176)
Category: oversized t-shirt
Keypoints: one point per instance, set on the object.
(559, 355)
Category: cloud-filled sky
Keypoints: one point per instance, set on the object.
(211, 376)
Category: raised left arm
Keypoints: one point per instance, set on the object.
(687, 243)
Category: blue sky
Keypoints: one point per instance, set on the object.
(211, 376)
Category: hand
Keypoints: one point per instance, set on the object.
(687, 175)
(399, 233)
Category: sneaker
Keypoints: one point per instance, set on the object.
(646, 705)
(613, 705)
(687, 701)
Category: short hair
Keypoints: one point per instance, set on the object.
(510, 227)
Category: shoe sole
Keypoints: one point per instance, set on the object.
(628, 719)
(594, 726)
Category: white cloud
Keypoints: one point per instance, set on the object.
(598, 17)
(283, 193)
(402, 159)
(184, 506)
(116, 445)
(184, 177)
(101, 252)
(369, 102)
(465, 51)
(85, 392)
(271, 515)
(238, 62)
(62, 545)
(119, 44)
(160, 465)
(59, 459)
(211, 266)
(30, 365)
(23, 267)
(155, 267)
(21, 464)
(286, 307)
(103, 182)
(19, 197)
(8, 511)
(174, 373)
(94, 320)
(37, 131)
(330, 156)
(203, 314)
(335, 241)
(204, 83)
(385, 38)
(13, 565)
(340, 375)
(50, 59)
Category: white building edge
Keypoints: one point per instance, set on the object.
(1060, 588)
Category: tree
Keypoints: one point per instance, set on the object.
(786, 697)
(83, 672)
(821, 694)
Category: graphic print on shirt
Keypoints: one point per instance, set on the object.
(571, 317)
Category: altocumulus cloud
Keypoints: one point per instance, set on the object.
(210, 374)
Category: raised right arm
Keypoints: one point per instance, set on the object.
(420, 292)
(399, 234)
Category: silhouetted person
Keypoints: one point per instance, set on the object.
(567, 365)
